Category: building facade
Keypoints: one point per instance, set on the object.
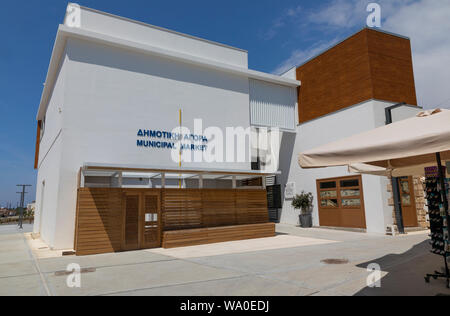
(115, 91)
(123, 98)
(345, 91)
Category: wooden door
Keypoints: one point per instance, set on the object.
(407, 199)
(131, 221)
(341, 202)
(150, 221)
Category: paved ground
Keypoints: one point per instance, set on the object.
(232, 269)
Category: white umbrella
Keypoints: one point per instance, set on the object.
(411, 143)
(403, 147)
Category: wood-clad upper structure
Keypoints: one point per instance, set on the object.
(368, 65)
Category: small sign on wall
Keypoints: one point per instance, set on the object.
(290, 191)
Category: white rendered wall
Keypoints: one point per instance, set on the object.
(332, 127)
(112, 93)
(50, 152)
(107, 24)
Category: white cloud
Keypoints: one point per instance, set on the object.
(288, 16)
(426, 22)
(299, 56)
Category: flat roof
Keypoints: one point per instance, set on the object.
(160, 28)
(65, 32)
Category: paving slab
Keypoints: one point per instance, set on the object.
(27, 285)
(243, 246)
(17, 269)
(103, 260)
(242, 286)
(322, 277)
(139, 276)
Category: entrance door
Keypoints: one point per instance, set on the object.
(142, 221)
(151, 237)
(341, 202)
(407, 199)
(131, 223)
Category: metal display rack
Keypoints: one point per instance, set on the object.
(437, 189)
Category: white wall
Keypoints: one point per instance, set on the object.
(112, 93)
(353, 120)
(50, 152)
(107, 24)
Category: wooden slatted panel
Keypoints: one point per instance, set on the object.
(101, 218)
(182, 209)
(192, 208)
(218, 208)
(132, 221)
(151, 224)
(99, 221)
(251, 207)
(192, 237)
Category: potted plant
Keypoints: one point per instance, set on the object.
(304, 202)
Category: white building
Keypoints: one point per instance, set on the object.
(114, 85)
(110, 77)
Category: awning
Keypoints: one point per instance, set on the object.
(404, 146)
(121, 171)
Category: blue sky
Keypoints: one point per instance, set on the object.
(277, 34)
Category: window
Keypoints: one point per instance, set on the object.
(328, 185)
(333, 203)
(340, 193)
(350, 183)
(328, 196)
(405, 192)
(42, 123)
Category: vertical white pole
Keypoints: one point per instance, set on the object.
(120, 179)
(163, 180)
(200, 181)
(264, 183)
(82, 180)
(234, 182)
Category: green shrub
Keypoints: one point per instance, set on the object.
(303, 201)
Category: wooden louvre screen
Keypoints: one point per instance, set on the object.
(111, 220)
(201, 236)
(99, 221)
(190, 209)
(131, 222)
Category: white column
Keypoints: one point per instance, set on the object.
(82, 180)
(234, 182)
(163, 180)
(200, 181)
(120, 179)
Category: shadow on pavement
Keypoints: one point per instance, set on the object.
(406, 272)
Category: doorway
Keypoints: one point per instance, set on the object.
(142, 220)
(408, 202)
(341, 202)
